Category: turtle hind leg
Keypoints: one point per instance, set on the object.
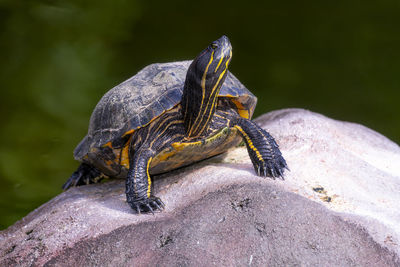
(263, 150)
(85, 174)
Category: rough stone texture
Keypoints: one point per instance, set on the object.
(336, 207)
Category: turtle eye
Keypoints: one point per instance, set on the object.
(214, 45)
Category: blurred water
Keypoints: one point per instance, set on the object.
(59, 57)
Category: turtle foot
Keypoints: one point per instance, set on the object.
(148, 205)
(269, 161)
(85, 174)
(263, 150)
(271, 168)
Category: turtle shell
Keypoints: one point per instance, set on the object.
(153, 90)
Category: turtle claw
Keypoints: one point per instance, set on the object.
(148, 205)
(150, 208)
(263, 150)
(274, 174)
(84, 175)
(273, 168)
(159, 204)
(270, 169)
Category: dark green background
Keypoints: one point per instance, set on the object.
(338, 58)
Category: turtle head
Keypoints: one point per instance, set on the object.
(204, 79)
(213, 61)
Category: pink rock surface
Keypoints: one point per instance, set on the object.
(218, 212)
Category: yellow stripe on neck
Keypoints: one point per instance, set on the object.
(214, 99)
(203, 87)
(148, 177)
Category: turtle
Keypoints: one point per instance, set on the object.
(168, 116)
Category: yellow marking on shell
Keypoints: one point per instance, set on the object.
(203, 86)
(107, 164)
(238, 104)
(133, 130)
(243, 112)
(122, 158)
(125, 156)
(250, 143)
(148, 177)
(108, 145)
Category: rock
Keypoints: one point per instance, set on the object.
(338, 206)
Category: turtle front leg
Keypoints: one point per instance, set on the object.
(138, 184)
(263, 150)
